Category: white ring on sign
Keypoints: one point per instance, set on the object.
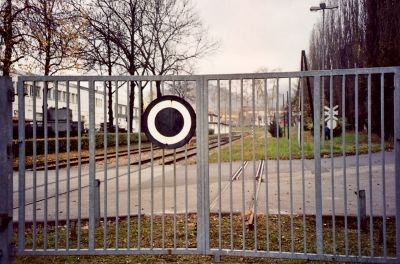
(151, 122)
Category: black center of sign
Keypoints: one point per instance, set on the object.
(169, 122)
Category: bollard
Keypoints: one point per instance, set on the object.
(362, 210)
(97, 202)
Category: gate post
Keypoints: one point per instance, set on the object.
(203, 222)
(6, 183)
(397, 155)
(317, 161)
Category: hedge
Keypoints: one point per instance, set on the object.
(62, 143)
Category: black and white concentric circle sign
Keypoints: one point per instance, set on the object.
(169, 122)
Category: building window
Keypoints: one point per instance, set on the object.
(38, 92)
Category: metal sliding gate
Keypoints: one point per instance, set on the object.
(263, 176)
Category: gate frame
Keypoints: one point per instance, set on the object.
(203, 240)
(6, 172)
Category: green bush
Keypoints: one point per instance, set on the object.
(62, 143)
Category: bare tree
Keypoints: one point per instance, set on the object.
(53, 29)
(11, 34)
(176, 38)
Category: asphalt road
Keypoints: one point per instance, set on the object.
(180, 191)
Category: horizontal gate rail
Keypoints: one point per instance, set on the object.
(337, 201)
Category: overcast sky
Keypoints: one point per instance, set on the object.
(256, 33)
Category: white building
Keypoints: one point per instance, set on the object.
(60, 93)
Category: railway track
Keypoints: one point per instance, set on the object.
(169, 158)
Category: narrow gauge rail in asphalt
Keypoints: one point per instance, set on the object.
(62, 163)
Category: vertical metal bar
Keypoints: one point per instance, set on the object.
(332, 164)
(186, 199)
(201, 240)
(151, 182)
(7, 93)
(266, 124)
(128, 230)
(206, 192)
(230, 165)
(278, 128)
(57, 169)
(383, 165)
(140, 165)
(163, 189)
(322, 107)
(346, 230)
(397, 156)
(290, 164)
(254, 160)
(46, 173)
(79, 165)
(116, 167)
(105, 139)
(174, 198)
(68, 168)
(21, 165)
(186, 193)
(34, 242)
(317, 160)
(92, 165)
(242, 159)
(303, 184)
(163, 200)
(357, 167)
(371, 216)
(219, 165)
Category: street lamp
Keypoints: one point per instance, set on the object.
(323, 7)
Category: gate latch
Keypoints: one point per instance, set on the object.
(4, 220)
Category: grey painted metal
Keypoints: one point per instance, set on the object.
(57, 167)
(6, 173)
(346, 230)
(230, 165)
(253, 143)
(139, 217)
(382, 90)
(79, 165)
(357, 163)
(105, 176)
(303, 185)
(322, 112)
(278, 128)
(67, 244)
(92, 165)
(242, 162)
(317, 165)
(290, 165)
(46, 175)
(128, 135)
(116, 131)
(332, 164)
(21, 166)
(34, 239)
(397, 155)
(266, 163)
(371, 218)
(201, 240)
(203, 205)
(219, 165)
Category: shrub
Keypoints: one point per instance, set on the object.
(62, 143)
(272, 129)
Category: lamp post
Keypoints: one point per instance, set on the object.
(323, 7)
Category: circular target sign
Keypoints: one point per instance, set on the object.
(169, 122)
